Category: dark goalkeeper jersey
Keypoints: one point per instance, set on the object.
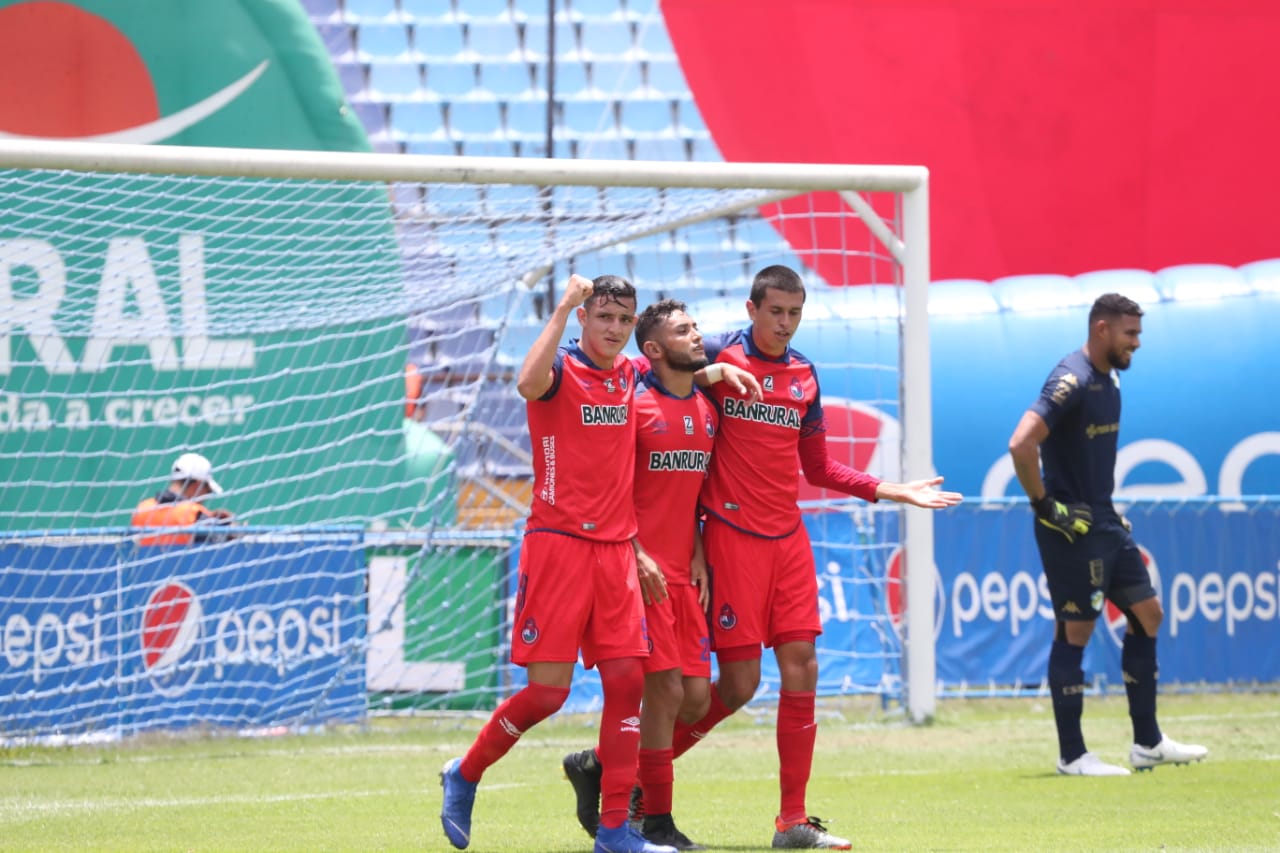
(1081, 406)
(583, 433)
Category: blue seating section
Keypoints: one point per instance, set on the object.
(472, 76)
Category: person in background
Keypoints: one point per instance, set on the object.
(190, 480)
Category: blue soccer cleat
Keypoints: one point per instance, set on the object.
(459, 798)
(626, 839)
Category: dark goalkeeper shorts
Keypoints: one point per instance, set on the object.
(1104, 564)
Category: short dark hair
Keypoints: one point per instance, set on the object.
(610, 288)
(1109, 306)
(654, 316)
(778, 277)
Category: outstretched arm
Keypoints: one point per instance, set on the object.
(824, 472)
(536, 375)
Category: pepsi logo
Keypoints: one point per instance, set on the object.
(860, 436)
(171, 633)
(895, 598)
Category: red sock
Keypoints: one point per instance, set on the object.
(797, 731)
(687, 734)
(656, 776)
(512, 718)
(622, 681)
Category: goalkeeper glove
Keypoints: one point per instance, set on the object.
(1071, 520)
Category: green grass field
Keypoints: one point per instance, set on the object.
(980, 778)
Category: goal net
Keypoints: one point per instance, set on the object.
(339, 335)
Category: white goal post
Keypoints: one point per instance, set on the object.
(250, 321)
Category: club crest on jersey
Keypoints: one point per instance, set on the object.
(1096, 601)
(529, 632)
(688, 424)
(797, 390)
(727, 620)
(709, 425)
(768, 383)
(608, 385)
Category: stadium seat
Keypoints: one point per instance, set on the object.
(472, 120)
(1263, 276)
(383, 41)
(589, 119)
(606, 39)
(704, 150)
(1200, 281)
(603, 148)
(322, 10)
(1138, 285)
(493, 40)
(653, 42)
(962, 296)
(484, 10)
(561, 148)
(618, 79)
(534, 41)
(527, 121)
(647, 118)
(418, 120)
(1036, 292)
(436, 147)
(372, 115)
(690, 121)
(449, 81)
(472, 147)
(406, 199)
(386, 145)
(654, 266)
(338, 38)
(370, 10)
(604, 9)
(660, 148)
(354, 77)
(571, 80)
(441, 40)
(506, 80)
(427, 10)
(394, 81)
(665, 76)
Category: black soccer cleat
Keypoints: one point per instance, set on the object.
(661, 829)
(583, 770)
(635, 809)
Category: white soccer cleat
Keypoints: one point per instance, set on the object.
(1167, 751)
(1090, 765)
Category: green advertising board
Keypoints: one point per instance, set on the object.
(258, 322)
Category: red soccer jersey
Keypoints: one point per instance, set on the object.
(754, 481)
(584, 446)
(674, 436)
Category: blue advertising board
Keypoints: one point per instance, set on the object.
(119, 638)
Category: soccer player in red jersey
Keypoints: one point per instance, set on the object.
(579, 580)
(764, 585)
(676, 426)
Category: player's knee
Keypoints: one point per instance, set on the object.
(695, 704)
(664, 689)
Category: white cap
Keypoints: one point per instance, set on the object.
(193, 466)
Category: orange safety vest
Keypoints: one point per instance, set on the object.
(152, 513)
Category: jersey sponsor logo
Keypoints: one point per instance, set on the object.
(727, 620)
(767, 383)
(1095, 430)
(763, 413)
(797, 389)
(679, 460)
(529, 632)
(604, 415)
(688, 424)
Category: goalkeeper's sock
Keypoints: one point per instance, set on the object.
(1066, 686)
(796, 735)
(687, 734)
(656, 777)
(1138, 662)
(513, 718)
(622, 682)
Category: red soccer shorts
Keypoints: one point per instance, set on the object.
(678, 634)
(760, 588)
(576, 594)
